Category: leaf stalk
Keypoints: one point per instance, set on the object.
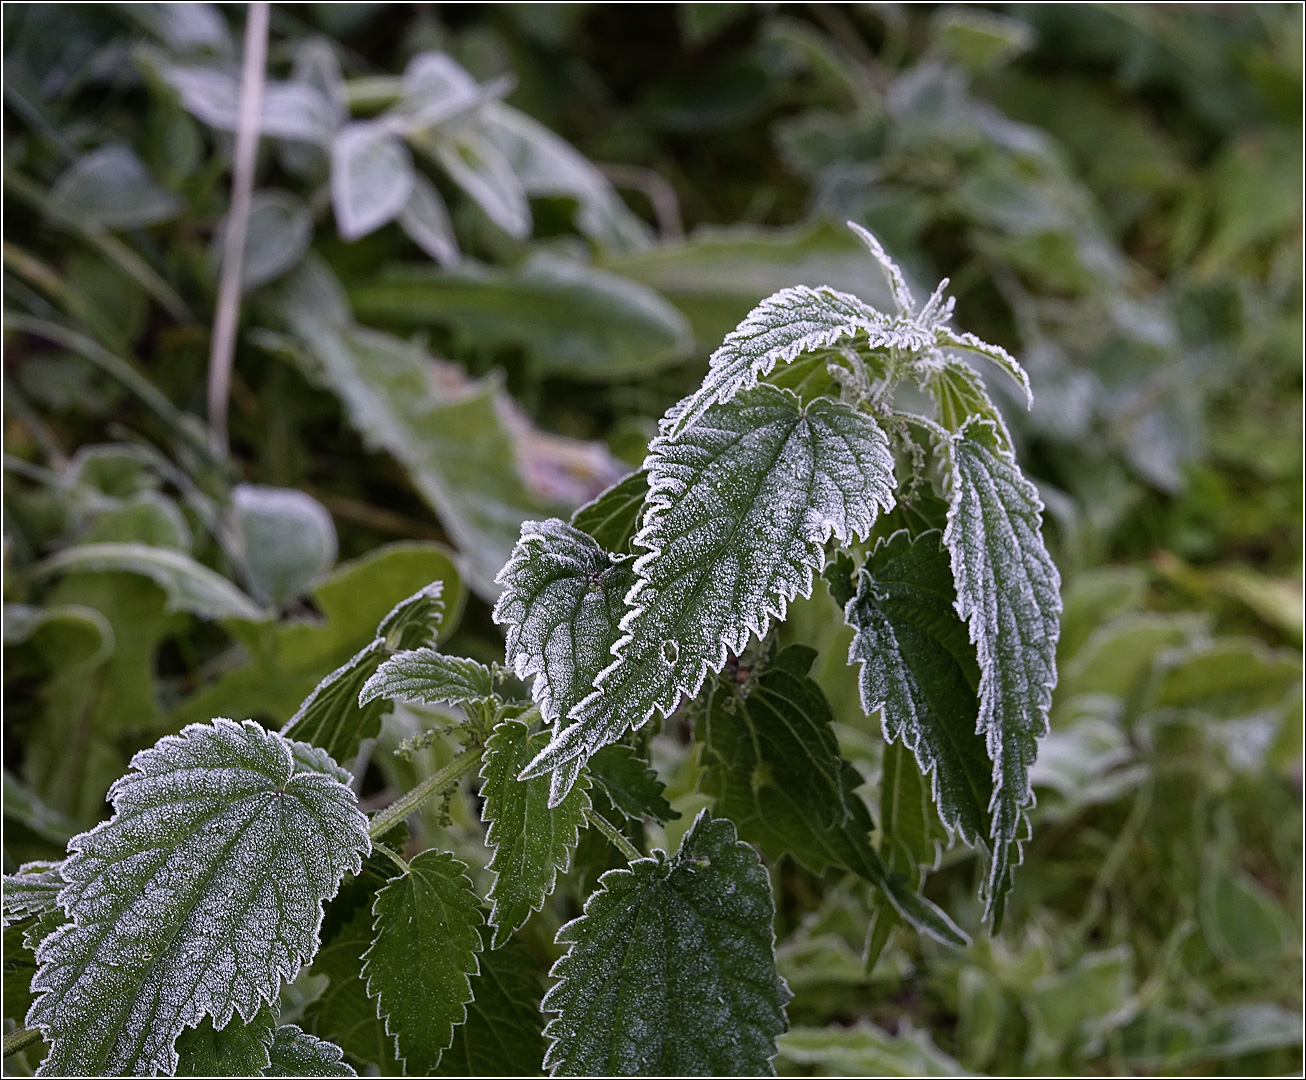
(615, 835)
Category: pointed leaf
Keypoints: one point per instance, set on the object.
(477, 166)
(296, 1053)
(959, 393)
(371, 177)
(631, 784)
(429, 676)
(613, 518)
(427, 937)
(503, 1034)
(902, 296)
(1008, 592)
(949, 338)
(740, 506)
(34, 890)
(239, 1049)
(774, 768)
(563, 599)
(531, 841)
(918, 670)
(671, 970)
(425, 219)
(199, 895)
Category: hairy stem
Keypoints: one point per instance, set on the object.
(385, 820)
(223, 347)
(614, 834)
(20, 1040)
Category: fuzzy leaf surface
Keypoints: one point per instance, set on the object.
(774, 768)
(613, 518)
(631, 784)
(1009, 594)
(504, 1031)
(671, 970)
(427, 936)
(430, 676)
(740, 506)
(918, 669)
(531, 840)
(562, 602)
(239, 1049)
(199, 895)
(296, 1053)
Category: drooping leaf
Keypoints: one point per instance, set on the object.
(532, 841)
(918, 670)
(427, 938)
(671, 969)
(371, 176)
(199, 895)
(572, 318)
(287, 539)
(740, 506)
(504, 1031)
(613, 518)
(429, 676)
(631, 784)
(1008, 592)
(296, 1053)
(773, 765)
(563, 600)
(34, 890)
(238, 1049)
(190, 585)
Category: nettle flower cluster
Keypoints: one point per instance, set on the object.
(164, 939)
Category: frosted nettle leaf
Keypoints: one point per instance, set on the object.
(296, 1053)
(671, 970)
(427, 936)
(902, 296)
(1008, 592)
(371, 176)
(631, 784)
(948, 338)
(531, 841)
(34, 890)
(196, 899)
(414, 622)
(613, 518)
(563, 599)
(429, 676)
(780, 329)
(239, 1049)
(959, 393)
(503, 1033)
(772, 763)
(740, 506)
(918, 670)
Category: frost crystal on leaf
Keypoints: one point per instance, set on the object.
(740, 506)
(563, 599)
(1008, 592)
(427, 937)
(34, 890)
(199, 895)
(426, 675)
(671, 970)
(531, 840)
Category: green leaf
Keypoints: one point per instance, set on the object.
(479, 167)
(671, 969)
(772, 764)
(504, 1031)
(222, 818)
(425, 219)
(1008, 591)
(283, 680)
(286, 537)
(111, 188)
(740, 506)
(959, 393)
(865, 1050)
(1228, 679)
(190, 586)
(631, 784)
(948, 338)
(344, 1013)
(34, 890)
(531, 840)
(563, 600)
(278, 233)
(427, 937)
(613, 518)
(371, 176)
(918, 670)
(574, 319)
(430, 676)
(296, 1053)
(238, 1049)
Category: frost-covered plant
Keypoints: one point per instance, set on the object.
(165, 937)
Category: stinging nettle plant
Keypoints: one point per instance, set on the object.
(164, 940)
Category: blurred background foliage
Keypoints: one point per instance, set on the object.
(490, 244)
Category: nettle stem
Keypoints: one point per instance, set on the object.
(385, 820)
(609, 830)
